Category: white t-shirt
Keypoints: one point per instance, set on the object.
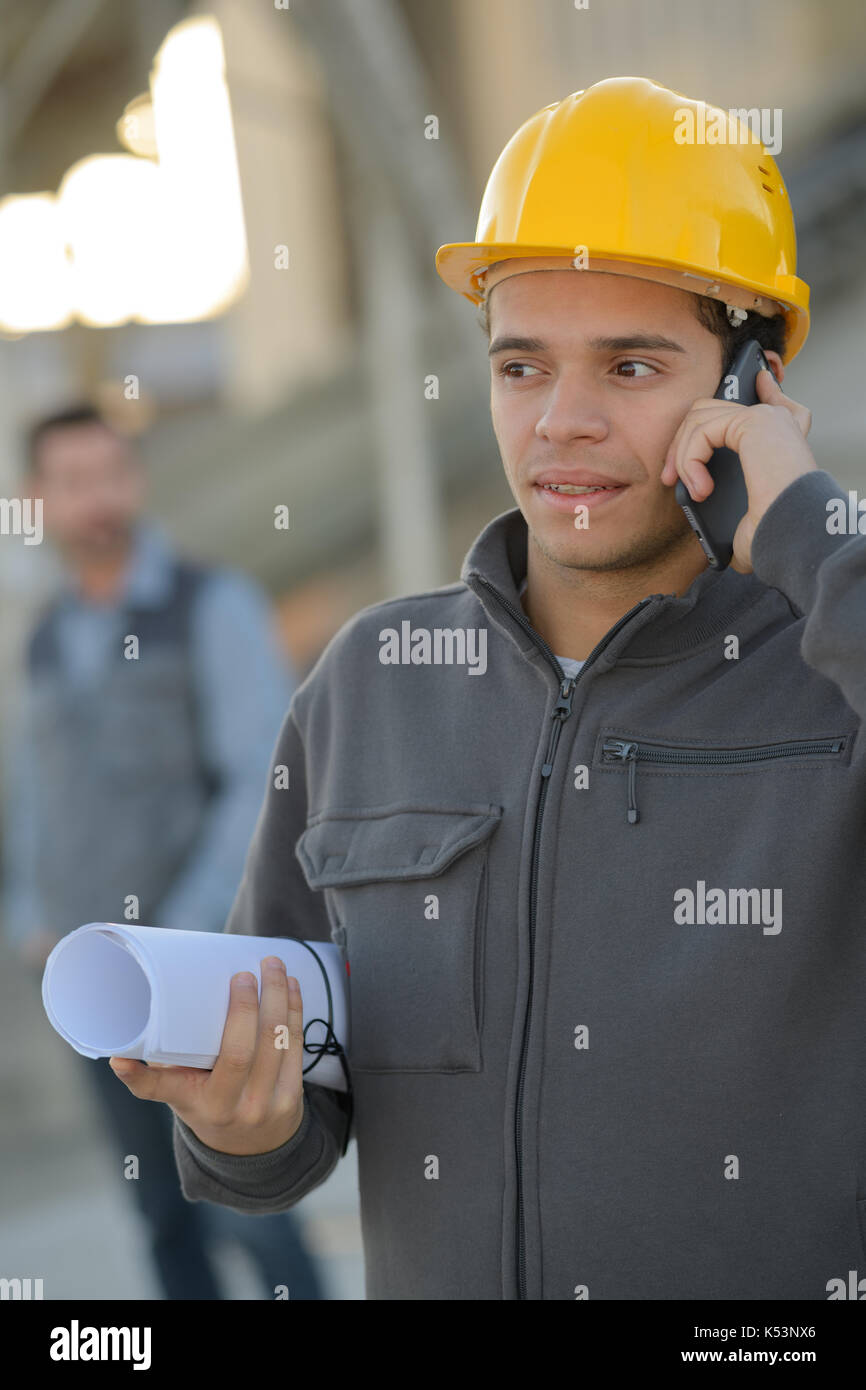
(569, 664)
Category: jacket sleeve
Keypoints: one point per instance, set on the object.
(822, 575)
(274, 899)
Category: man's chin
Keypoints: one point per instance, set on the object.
(595, 557)
(583, 551)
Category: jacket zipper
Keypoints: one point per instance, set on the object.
(561, 711)
(631, 752)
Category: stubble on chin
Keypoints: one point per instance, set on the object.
(647, 550)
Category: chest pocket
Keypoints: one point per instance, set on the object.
(406, 890)
(643, 759)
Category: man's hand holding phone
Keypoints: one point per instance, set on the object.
(253, 1100)
(770, 439)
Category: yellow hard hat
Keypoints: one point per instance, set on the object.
(623, 178)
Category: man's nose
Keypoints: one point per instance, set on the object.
(571, 411)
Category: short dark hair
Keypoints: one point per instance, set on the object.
(72, 416)
(771, 333)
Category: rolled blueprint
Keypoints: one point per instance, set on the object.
(115, 989)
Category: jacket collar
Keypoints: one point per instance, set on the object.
(667, 626)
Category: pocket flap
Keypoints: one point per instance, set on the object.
(389, 842)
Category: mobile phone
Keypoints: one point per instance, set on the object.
(716, 519)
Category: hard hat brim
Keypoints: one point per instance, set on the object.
(460, 263)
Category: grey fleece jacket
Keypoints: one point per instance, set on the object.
(606, 935)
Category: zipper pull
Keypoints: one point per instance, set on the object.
(626, 752)
(560, 712)
(632, 771)
(562, 708)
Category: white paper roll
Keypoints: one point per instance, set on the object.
(115, 989)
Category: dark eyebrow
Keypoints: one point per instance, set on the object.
(640, 342)
(516, 345)
(631, 342)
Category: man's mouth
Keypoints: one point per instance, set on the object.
(567, 497)
(574, 490)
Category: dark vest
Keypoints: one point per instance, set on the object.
(121, 786)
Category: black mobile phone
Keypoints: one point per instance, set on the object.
(715, 520)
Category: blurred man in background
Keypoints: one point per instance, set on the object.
(153, 693)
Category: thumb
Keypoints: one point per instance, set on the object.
(155, 1081)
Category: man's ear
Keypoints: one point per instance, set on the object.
(776, 364)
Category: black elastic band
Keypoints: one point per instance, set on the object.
(331, 1046)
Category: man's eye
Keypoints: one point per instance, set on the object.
(508, 367)
(632, 363)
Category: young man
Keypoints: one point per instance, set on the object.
(601, 906)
